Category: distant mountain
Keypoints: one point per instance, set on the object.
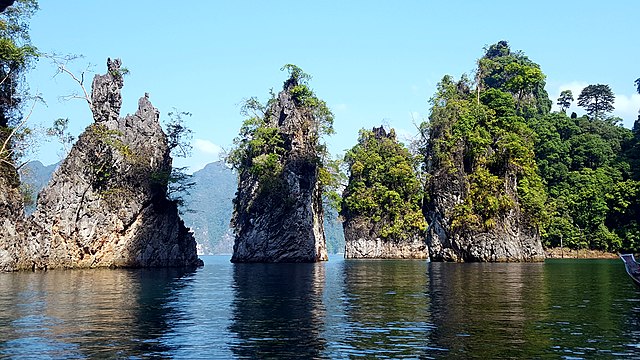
(209, 207)
(333, 232)
(35, 176)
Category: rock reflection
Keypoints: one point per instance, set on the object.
(278, 310)
(485, 310)
(87, 313)
(388, 309)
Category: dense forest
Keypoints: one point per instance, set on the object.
(577, 176)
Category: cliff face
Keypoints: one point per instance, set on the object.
(282, 220)
(511, 238)
(106, 204)
(12, 241)
(363, 241)
(381, 203)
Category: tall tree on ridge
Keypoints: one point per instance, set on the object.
(565, 100)
(597, 100)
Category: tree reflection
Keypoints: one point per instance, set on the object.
(278, 310)
(88, 313)
(485, 309)
(388, 308)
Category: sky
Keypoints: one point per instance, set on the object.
(373, 62)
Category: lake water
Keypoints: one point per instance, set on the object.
(338, 309)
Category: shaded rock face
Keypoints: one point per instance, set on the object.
(12, 239)
(510, 240)
(284, 225)
(106, 204)
(363, 239)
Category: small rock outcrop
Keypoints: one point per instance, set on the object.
(106, 204)
(381, 203)
(278, 214)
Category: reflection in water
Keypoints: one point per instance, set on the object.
(339, 309)
(86, 313)
(278, 310)
(588, 319)
(485, 309)
(387, 308)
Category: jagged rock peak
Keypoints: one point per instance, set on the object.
(106, 98)
(106, 204)
(279, 217)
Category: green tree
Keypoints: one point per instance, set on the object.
(17, 54)
(565, 100)
(179, 182)
(597, 100)
(261, 146)
(383, 185)
(59, 131)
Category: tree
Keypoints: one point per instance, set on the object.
(637, 82)
(179, 183)
(597, 100)
(383, 185)
(16, 56)
(565, 100)
(59, 131)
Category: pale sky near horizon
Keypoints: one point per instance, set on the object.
(373, 62)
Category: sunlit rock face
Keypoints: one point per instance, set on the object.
(106, 204)
(285, 224)
(511, 239)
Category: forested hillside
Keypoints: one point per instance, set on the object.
(576, 175)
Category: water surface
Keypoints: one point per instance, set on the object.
(338, 309)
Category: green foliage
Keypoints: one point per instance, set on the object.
(102, 168)
(383, 185)
(597, 100)
(580, 162)
(16, 56)
(513, 72)
(179, 136)
(59, 131)
(495, 144)
(120, 73)
(260, 148)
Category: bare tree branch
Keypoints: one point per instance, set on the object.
(5, 152)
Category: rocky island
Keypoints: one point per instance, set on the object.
(107, 203)
(381, 205)
(278, 213)
(485, 196)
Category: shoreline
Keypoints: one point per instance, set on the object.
(557, 253)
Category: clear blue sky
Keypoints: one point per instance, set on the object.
(373, 62)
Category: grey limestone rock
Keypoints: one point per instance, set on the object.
(106, 204)
(512, 239)
(283, 226)
(363, 241)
